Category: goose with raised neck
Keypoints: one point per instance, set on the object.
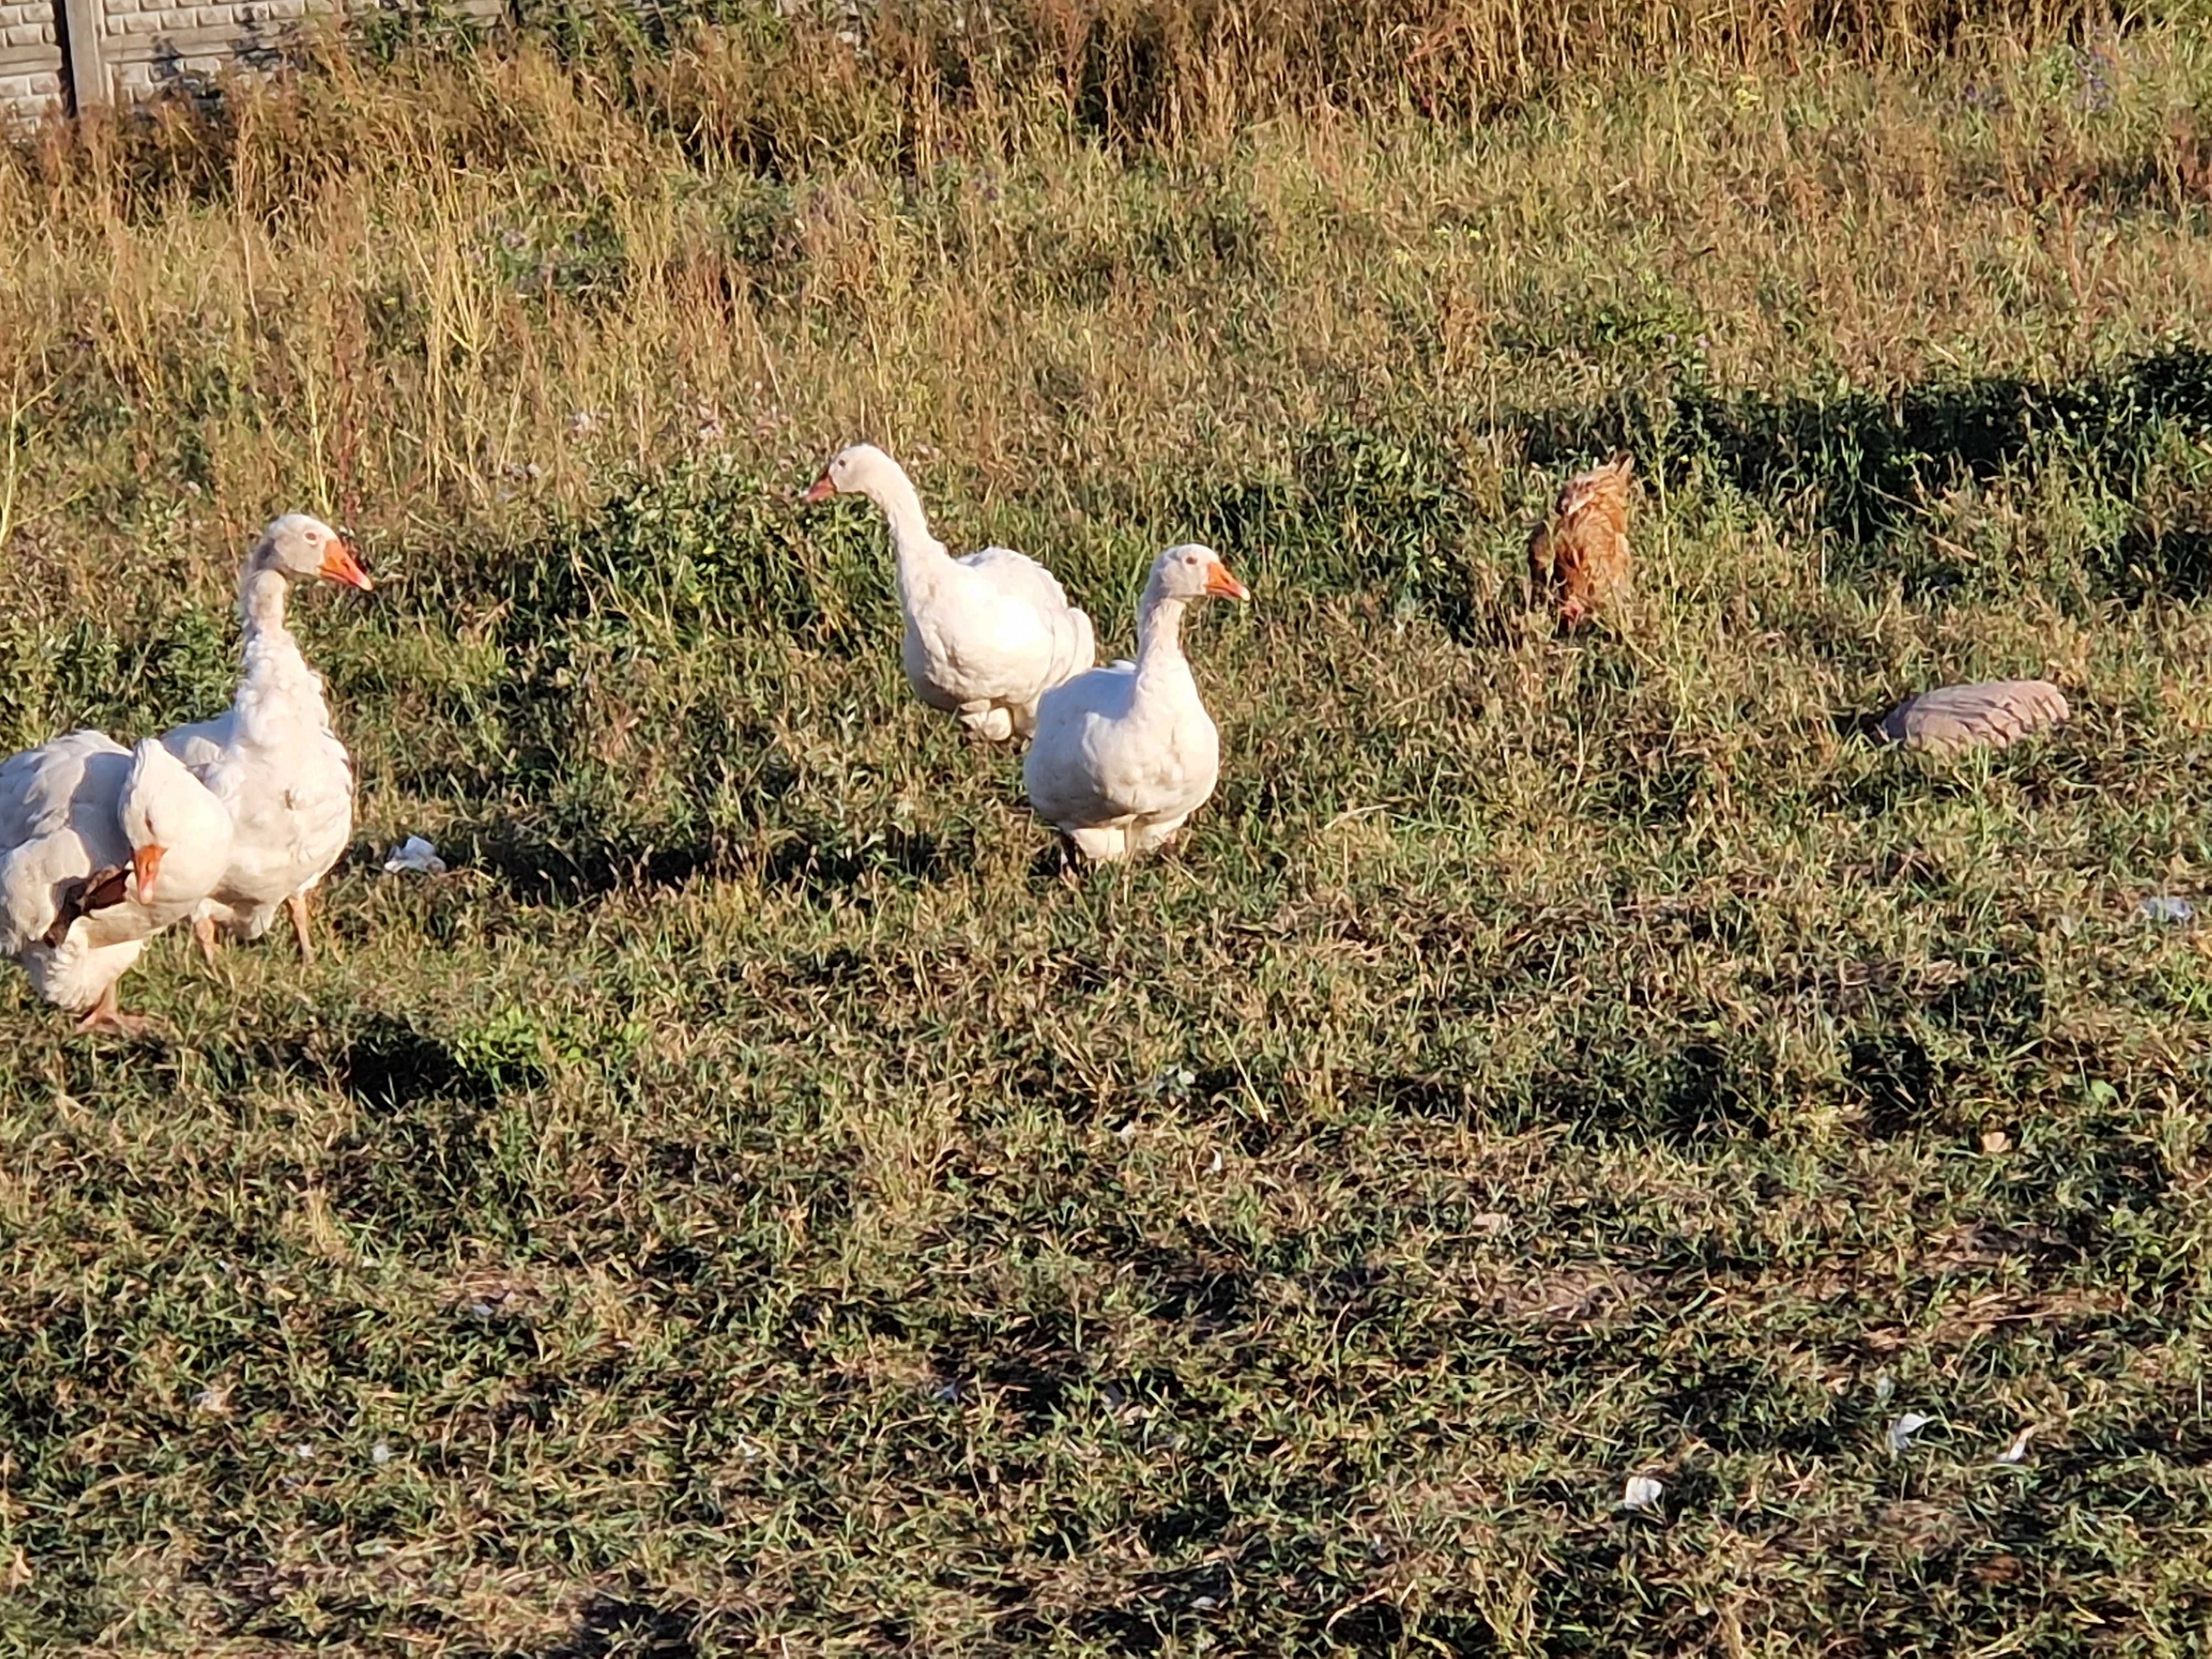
(987, 635)
(1124, 754)
(273, 758)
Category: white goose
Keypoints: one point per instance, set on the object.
(1125, 753)
(273, 760)
(100, 848)
(987, 635)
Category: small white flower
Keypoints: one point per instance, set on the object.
(1641, 1492)
(380, 1453)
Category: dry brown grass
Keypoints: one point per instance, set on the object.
(396, 296)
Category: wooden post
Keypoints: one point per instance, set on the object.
(81, 22)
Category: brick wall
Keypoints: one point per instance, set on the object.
(150, 44)
(155, 45)
(30, 57)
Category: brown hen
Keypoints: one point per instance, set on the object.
(1579, 556)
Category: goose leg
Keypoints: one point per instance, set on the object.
(1072, 861)
(1102, 844)
(1145, 838)
(988, 721)
(297, 904)
(203, 936)
(104, 1016)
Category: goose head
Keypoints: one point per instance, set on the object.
(1194, 571)
(301, 547)
(165, 808)
(861, 469)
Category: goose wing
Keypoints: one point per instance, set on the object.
(1017, 577)
(1064, 644)
(60, 821)
(1071, 770)
(201, 744)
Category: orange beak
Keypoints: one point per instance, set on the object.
(339, 565)
(145, 865)
(820, 490)
(1223, 586)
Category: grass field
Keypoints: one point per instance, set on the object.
(755, 1204)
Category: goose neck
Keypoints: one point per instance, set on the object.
(261, 597)
(275, 679)
(921, 555)
(1159, 633)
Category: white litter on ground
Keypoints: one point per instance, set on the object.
(1902, 1430)
(417, 856)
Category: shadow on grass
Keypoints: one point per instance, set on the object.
(580, 870)
(390, 1064)
(628, 1624)
(1696, 1095)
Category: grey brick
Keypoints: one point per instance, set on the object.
(152, 43)
(29, 95)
